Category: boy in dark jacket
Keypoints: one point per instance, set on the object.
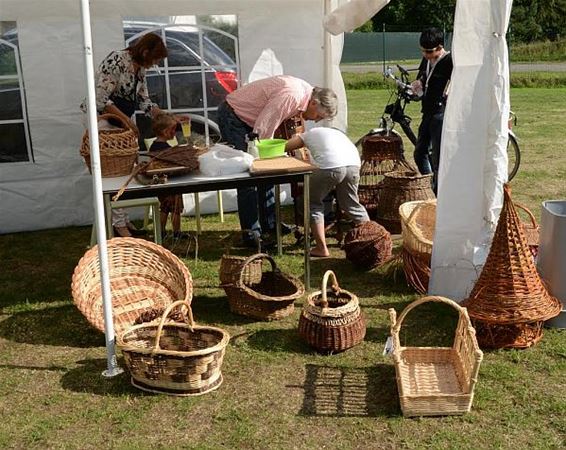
(432, 83)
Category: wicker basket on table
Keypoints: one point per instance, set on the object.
(418, 221)
(331, 320)
(398, 188)
(509, 302)
(435, 381)
(270, 298)
(380, 154)
(368, 245)
(144, 278)
(178, 160)
(118, 148)
(174, 358)
(232, 267)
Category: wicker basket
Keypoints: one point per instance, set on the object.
(398, 188)
(418, 221)
(118, 149)
(143, 276)
(381, 154)
(174, 358)
(271, 298)
(436, 381)
(368, 245)
(509, 301)
(531, 229)
(331, 321)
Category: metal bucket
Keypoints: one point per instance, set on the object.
(551, 259)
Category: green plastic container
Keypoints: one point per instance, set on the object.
(271, 148)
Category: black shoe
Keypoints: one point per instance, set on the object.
(265, 245)
(181, 235)
(285, 229)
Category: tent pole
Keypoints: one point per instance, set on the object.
(112, 366)
(327, 50)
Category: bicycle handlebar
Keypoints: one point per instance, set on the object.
(404, 87)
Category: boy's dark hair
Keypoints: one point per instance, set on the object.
(431, 38)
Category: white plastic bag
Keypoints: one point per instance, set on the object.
(224, 160)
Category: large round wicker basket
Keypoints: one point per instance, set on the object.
(331, 321)
(118, 149)
(396, 189)
(174, 358)
(270, 298)
(143, 277)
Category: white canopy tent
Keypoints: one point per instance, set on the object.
(55, 189)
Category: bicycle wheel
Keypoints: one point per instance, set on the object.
(514, 156)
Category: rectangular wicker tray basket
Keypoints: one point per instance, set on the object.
(436, 381)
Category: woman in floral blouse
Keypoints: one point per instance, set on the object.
(121, 89)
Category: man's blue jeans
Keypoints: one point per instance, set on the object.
(256, 206)
(430, 132)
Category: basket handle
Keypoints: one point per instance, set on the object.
(529, 213)
(396, 326)
(115, 117)
(335, 287)
(166, 313)
(251, 259)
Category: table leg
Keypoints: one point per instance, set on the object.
(108, 216)
(278, 219)
(197, 212)
(306, 222)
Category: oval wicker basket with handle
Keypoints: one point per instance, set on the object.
(271, 298)
(531, 229)
(118, 148)
(143, 277)
(436, 381)
(174, 358)
(332, 321)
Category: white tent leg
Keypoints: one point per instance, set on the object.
(112, 366)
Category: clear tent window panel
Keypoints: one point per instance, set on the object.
(15, 142)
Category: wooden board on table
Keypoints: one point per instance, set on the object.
(283, 164)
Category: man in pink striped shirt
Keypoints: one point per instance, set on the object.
(259, 108)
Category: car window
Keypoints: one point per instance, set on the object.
(179, 55)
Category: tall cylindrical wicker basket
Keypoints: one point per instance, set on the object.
(331, 320)
(398, 188)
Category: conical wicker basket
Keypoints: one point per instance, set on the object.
(418, 221)
(331, 321)
(398, 188)
(143, 277)
(368, 245)
(509, 301)
(436, 381)
(380, 154)
(271, 298)
(118, 149)
(174, 358)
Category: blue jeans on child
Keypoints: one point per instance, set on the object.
(256, 206)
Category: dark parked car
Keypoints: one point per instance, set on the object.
(184, 68)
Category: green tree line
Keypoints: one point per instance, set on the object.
(531, 20)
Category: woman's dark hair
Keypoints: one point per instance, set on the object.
(148, 48)
(431, 38)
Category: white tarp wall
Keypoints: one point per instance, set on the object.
(473, 164)
(55, 190)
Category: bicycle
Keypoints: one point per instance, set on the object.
(394, 113)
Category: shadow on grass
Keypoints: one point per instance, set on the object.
(349, 392)
(88, 378)
(277, 341)
(216, 310)
(59, 326)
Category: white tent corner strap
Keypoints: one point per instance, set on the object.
(352, 15)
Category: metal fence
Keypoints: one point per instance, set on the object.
(383, 46)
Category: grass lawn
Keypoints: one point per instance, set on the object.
(277, 392)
